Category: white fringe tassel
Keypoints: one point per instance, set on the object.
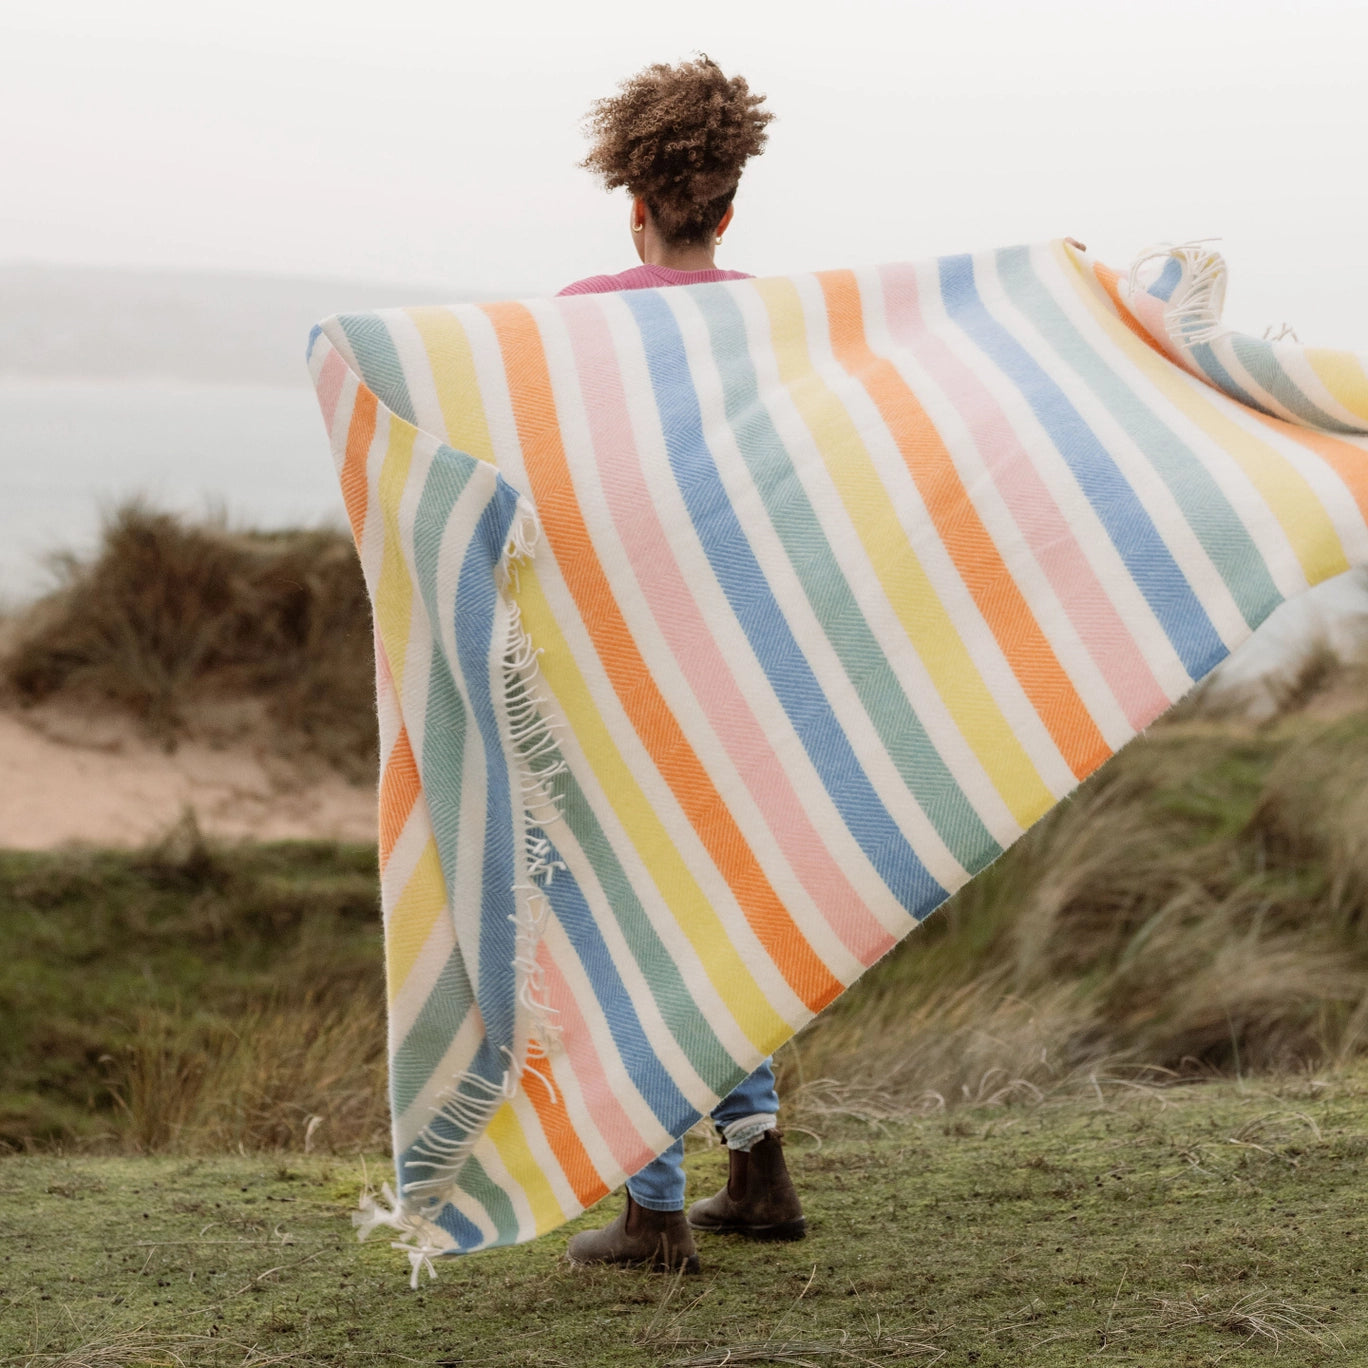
(373, 1213)
(1193, 313)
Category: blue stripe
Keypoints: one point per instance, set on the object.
(1132, 533)
(738, 572)
(465, 1234)
(1167, 280)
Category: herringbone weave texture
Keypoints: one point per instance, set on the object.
(722, 631)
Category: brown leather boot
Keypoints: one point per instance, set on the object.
(759, 1200)
(660, 1240)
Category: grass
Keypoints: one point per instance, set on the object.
(193, 627)
(191, 997)
(1203, 1225)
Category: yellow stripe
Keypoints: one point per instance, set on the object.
(506, 1134)
(454, 376)
(394, 592)
(412, 918)
(1343, 375)
(904, 580)
(1302, 516)
(693, 911)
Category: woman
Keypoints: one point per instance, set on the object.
(677, 139)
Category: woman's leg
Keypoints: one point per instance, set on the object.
(759, 1200)
(660, 1185)
(749, 1110)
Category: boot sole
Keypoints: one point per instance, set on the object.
(782, 1230)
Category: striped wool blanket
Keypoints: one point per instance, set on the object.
(723, 631)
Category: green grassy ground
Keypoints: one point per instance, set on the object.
(191, 996)
(1216, 1223)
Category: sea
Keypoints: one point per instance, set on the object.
(71, 451)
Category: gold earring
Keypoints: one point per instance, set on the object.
(637, 227)
(717, 242)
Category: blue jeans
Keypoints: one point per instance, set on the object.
(742, 1117)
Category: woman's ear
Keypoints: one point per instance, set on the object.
(637, 220)
(725, 221)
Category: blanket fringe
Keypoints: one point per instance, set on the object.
(387, 1210)
(469, 1100)
(1193, 313)
(533, 738)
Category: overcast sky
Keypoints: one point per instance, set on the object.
(416, 142)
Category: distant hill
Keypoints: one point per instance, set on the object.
(104, 323)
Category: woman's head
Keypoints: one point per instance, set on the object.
(677, 138)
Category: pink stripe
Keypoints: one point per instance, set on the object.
(329, 387)
(623, 1139)
(1052, 541)
(695, 648)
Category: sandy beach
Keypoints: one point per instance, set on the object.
(97, 779)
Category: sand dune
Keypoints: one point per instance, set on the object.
(71, 777)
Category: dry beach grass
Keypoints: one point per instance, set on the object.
(187, 626)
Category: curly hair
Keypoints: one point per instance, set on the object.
(677, 137)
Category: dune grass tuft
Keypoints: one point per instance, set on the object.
(1199, 907)
(172, 617)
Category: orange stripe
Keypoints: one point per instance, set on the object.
(1348, 461)
(1108, 280)
(534, 410)
(560, 1132)
(360, 434)
(399, 789)
(961, 530)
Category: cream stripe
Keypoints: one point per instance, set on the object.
(624, 1091)
(655, 844)
(746, 672)
(1170, 394)
(1137, 469)
(635, 980)
(920, 609)
(1278, 484)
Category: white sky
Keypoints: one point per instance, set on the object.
(420, 142)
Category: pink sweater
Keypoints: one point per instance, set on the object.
(647, 278)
